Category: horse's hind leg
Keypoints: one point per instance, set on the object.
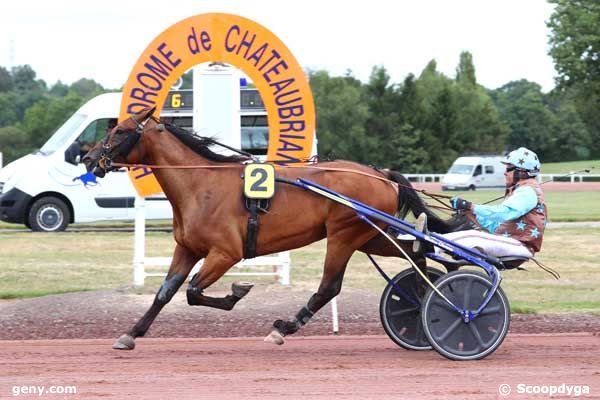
(338, 255)
(213, 268)
(181, 265)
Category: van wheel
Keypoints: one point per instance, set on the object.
(49, 214)
(472, 187)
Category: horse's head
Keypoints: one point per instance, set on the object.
(119, 145)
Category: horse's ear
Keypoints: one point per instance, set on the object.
(144, 114)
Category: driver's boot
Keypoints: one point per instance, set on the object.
(420, 247)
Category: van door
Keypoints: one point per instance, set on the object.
(478, 177)
(489, 173)
(94, 198)
(494, 175)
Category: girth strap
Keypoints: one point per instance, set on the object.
(252, 230)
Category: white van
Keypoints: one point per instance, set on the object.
(51, 188)
(475, 172)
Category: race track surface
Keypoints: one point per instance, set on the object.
(362, 367)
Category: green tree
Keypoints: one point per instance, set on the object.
(479, 128)
(86, 88)
(6, 82)
(532, 124)
(8, 109)
(383, 123)
(575, 48)
(341, 117)
(465, 72)
(572, 139)
(45, 116)
(59, 89)
(410, 155)
(575, 41)
(13, 143)
(24, 79)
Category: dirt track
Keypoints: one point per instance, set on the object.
(308, 366)
(362, 367)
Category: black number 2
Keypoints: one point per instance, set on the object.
(256, 186)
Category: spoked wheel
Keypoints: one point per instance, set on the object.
(400, 313)
(444, 326)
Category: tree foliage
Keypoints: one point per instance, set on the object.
(575, 48)
(30, 112)
(575, 41)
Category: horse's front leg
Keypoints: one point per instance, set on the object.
(215, 265)
(181, 265)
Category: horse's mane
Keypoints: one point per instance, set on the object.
(200, 145)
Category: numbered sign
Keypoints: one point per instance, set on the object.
(259, 181)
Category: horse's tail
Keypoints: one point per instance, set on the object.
(409, 200)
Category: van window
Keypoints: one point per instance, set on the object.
(489, 169)
(94, 133)
(461, 169)
(477, 170)
(63, 133)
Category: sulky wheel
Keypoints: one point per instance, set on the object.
(444, 326)
(400, 313)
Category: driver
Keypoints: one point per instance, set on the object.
(513, 228)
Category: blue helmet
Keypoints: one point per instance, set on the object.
(523, 158)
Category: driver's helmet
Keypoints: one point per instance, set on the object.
(525, 159)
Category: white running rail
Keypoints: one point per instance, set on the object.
(280, 262)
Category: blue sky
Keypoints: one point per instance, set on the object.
(68, 40)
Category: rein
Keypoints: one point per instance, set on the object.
(140, 128)
(434, 196)
(128, 166)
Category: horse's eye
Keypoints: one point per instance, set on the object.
(119, 132)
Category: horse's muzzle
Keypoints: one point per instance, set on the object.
(90, 160)
(99, 172)
(92, 165)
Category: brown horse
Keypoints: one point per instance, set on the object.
(210, 220)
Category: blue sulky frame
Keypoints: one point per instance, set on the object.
(398, 226)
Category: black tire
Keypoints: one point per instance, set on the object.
(445, 328)
(401, 319)
(472, 187)
(48, 214)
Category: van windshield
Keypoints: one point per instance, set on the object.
(461, 169)
(63, 134)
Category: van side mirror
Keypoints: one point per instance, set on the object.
(73, 153)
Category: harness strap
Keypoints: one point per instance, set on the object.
(252, 230)
(434, 196)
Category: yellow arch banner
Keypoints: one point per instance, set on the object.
(240, 42)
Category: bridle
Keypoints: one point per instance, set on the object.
(123, 148)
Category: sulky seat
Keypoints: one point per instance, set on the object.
(502, 263)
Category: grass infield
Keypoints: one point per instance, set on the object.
(36, 264)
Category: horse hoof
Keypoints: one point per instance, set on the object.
(240, 289)
(125, 342)
(275, 338)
